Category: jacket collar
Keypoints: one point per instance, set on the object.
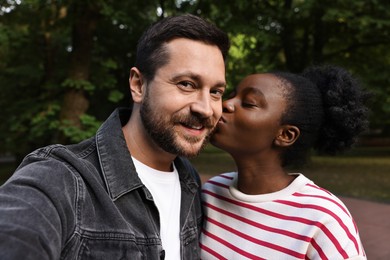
(115, 160)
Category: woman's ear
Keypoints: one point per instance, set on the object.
(287, 135)
(136, 83)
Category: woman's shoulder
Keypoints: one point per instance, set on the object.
(320, 199)
(223, 178)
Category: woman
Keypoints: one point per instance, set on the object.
(263, 211)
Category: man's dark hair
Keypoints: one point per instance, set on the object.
(151, 50)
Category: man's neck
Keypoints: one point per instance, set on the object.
(143, 148)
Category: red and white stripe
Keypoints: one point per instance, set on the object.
(301, 222)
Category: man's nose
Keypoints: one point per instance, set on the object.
(203, 105)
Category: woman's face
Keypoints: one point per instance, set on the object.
(251, 116)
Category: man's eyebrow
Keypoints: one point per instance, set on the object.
(196, 77)
(186, 74)
(220, 84)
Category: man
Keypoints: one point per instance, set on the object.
(126, 193)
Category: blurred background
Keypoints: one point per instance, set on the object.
(64, 67)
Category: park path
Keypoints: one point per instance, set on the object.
(373, 221)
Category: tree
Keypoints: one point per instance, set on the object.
(64, 65)
(293, 34)
(58, 57)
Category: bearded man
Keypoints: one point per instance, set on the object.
(128, 192)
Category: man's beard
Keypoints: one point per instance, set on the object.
(162, 131)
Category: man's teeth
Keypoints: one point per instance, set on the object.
(196, 127)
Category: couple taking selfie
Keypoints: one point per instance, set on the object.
(129, 192)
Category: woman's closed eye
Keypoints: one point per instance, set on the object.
(249, 103)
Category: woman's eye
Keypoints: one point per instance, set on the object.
(248, 104)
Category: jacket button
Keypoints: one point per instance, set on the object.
(162, 255)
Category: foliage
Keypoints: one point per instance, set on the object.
(89, 125)
(38, 46)
(293, 34)
(78, 84)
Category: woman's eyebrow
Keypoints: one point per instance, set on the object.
(253, 90)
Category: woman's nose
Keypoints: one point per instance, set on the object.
(228, 106)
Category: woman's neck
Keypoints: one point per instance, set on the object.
(261, 177)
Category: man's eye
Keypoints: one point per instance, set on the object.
(217, 93)
(186, 85)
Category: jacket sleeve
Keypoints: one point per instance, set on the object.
(36, 207)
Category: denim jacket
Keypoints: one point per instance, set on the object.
(85, 201)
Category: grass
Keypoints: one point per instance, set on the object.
(362, 173)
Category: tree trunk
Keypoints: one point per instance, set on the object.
(75, 101)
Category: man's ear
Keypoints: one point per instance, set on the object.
(287, 136)
(136, 82)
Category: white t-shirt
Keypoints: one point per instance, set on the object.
(166, 192)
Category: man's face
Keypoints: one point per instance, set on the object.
(183, 102)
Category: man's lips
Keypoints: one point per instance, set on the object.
(195, 130)
(195, 127)
(195, 123)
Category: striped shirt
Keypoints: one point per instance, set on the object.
(302, 221)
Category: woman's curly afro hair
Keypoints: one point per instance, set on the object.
(327, 104)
